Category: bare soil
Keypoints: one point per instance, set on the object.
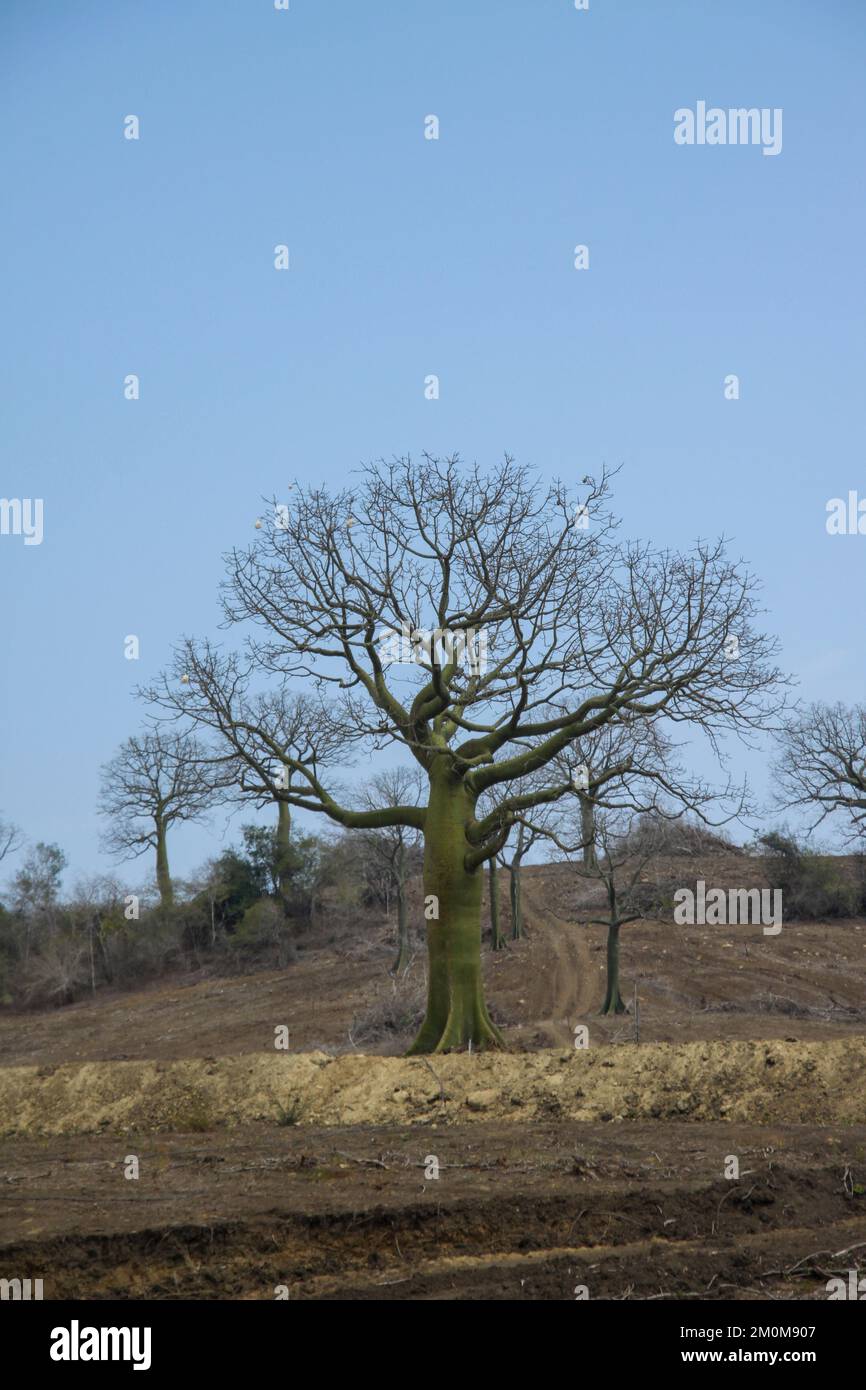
(627, 1210)
(558, 1167)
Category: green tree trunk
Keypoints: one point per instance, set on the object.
(456, 1012)
(497, 940)
(163, 877)
(284, 852)
(402, 959)
(613, 1003)
(516, 900)
(587, 832)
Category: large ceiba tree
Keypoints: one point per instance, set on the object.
(481, 622)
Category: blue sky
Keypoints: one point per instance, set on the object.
(408, 257)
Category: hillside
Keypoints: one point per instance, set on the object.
(693, 982)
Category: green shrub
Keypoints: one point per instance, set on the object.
(813, 885)
(265, 929)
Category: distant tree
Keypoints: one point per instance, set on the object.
(234, 883)
(821, 764)
(497, 940)
(262, 852)
(394, 850)
(36, 890)
(620, 867)
(308, 877)
(629, 789)
(96, 910)
(530, 831)
(37, 882)
(528, 836)
(286, 869)
(11, 838)
(813, 886)
(153, 781)
(293, 726)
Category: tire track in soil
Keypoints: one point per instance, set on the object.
(564, 991)
(530, 1218)
(381, 1259)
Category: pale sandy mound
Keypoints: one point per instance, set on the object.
(761, 1082)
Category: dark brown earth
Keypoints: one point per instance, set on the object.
(632, 1209)
(629, 1210)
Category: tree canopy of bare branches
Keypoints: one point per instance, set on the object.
(822, 764)
(154, 780)
(11, 838)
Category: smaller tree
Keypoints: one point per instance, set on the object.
(155, 780)
(821, 764)
(529, 835)
(36, 891)
(629, 789)
(394, 850)
(37, 882)
(11, 838)
(269, 847)
(286, 869)
(497, 940)
(619, 864)
(532, 827)
(96, 912)
(525, 840)
(232, 885)
(812, 885)
(263, 851)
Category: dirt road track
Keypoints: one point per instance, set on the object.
(564, 991)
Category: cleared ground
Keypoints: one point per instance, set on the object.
(714, 983)
(629, 1210)
(557, 1167)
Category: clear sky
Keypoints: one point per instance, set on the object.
(408, 257)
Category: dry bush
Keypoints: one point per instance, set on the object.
(814, 886)
(396, 1012)
(58, 974)
(142, 950)
(684, 837)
